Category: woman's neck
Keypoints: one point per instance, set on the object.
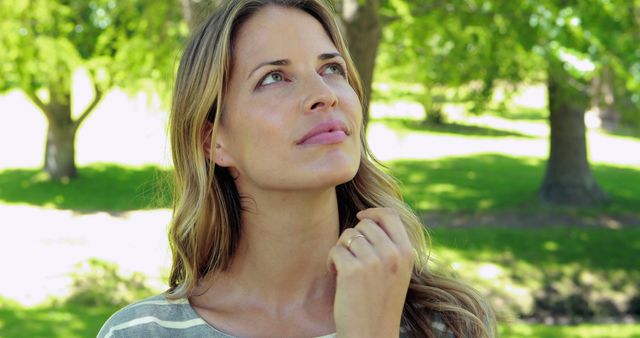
(285, 240)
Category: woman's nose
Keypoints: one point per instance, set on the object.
(319, 95)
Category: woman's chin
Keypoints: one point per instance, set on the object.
(335, 177)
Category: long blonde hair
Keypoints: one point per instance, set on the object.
(205, 229)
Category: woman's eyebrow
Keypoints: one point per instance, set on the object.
(285, 62)
(282, 62)
(327, 56)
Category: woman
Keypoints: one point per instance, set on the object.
(282, 225)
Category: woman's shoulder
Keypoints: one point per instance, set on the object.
(156, 316)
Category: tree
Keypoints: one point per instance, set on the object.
(452, 51)
(445, 44)
(130, 44)
(569, 36)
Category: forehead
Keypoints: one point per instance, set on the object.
(276, 32)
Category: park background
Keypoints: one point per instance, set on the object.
(513, 127)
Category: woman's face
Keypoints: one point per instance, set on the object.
(291, 120)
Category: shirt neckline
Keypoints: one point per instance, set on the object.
(193, 311)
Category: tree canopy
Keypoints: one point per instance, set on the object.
(457, 43)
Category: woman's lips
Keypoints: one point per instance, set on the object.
(327, 132)
(329, 137)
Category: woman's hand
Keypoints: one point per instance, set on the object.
(373, 262)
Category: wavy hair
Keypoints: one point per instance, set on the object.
(205, 229)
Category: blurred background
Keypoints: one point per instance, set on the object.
(514, 127)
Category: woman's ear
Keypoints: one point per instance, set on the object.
(207, 139)
(222, 158)
(222, 155)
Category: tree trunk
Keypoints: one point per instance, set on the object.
(195, 12)
(568, 179)
(607, 111)
(363, 32)
(432, 101)
(59, 158)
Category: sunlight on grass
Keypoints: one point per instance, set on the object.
(394, 141)
(392, 144)
(136, 241)
(127, 130)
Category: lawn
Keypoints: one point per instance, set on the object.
(488, 182)
(564, 272)
(475, 183)
(65, 321)
(99, 187)
(580, 331)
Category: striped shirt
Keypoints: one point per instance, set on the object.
(160, 317)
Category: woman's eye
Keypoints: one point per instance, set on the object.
(272, 77)
(334, 68)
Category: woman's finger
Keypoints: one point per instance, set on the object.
(374, 233)
(389, 220)
(340, 259)
(358, 244)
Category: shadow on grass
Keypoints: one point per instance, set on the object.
(623, 131)
(520, 113)
(449, 128)
(546, 247)
(567, 274)
(487, 182)
(103, 187)
(477, 183)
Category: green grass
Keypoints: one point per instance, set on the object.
(487, 182)
(478, 183)
(580, 331)
(104, 187)
(592, 248)
(52, 321)
(573, 272)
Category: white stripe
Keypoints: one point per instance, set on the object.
(164, 323)
(439, 326)
(162, 302)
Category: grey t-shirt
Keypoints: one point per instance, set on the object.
(160, 317)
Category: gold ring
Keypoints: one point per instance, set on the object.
(352, 238)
